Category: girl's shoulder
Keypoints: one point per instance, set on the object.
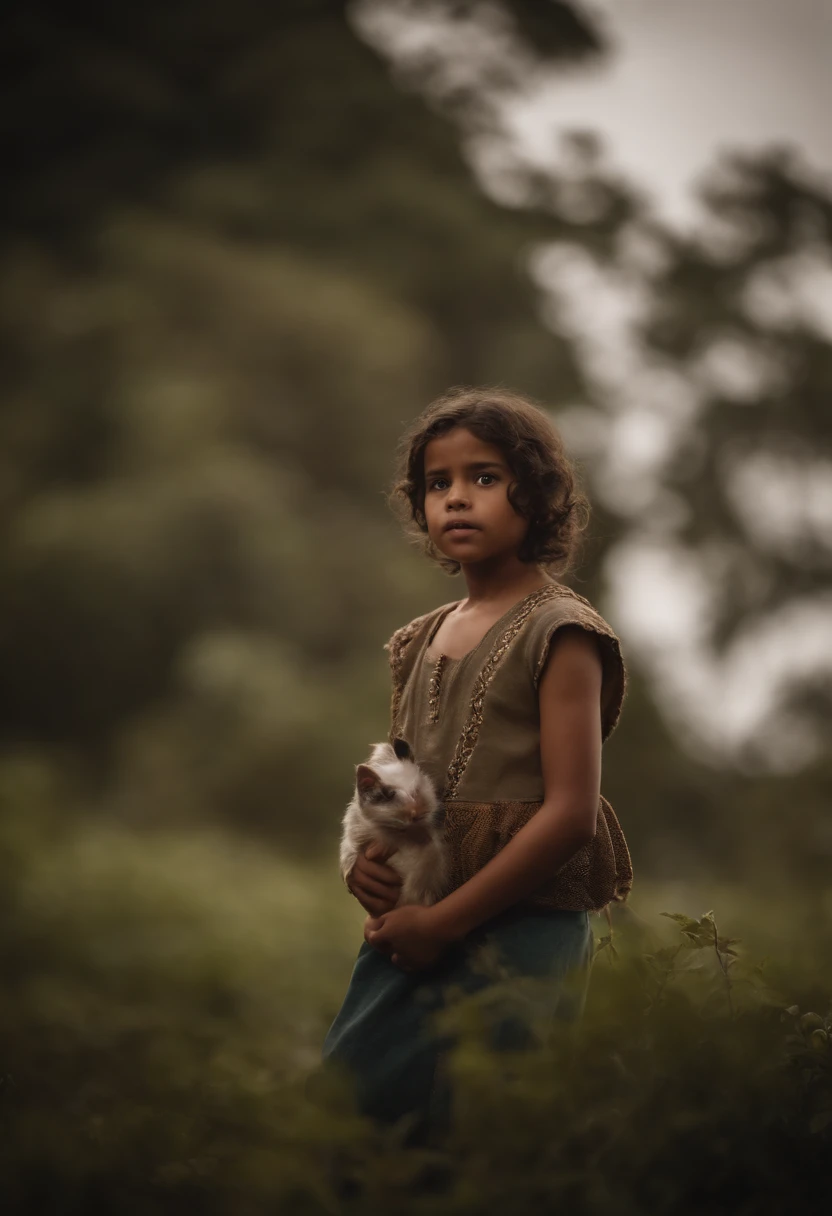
(400, 646)
(563, 608)
(403, 649)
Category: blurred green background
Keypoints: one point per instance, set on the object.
(242, 248)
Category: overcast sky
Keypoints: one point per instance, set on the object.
(688, 77)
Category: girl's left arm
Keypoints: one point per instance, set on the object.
(570, 747)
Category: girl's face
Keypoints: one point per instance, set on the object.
(468, 514)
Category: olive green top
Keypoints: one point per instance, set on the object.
(474, 726)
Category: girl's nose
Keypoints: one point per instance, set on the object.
(457, 497)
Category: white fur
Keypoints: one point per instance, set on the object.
(422, 864)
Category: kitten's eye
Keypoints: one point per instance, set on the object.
(385, 794)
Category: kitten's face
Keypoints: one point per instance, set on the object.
(388, 802)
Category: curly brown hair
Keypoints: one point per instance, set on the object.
(545, 491)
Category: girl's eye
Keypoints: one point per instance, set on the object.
(441, 483)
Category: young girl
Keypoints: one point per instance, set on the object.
(505, 698)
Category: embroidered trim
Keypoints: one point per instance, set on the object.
(470, 732)
(435, 688)
(396, 648)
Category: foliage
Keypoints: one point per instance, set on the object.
(165, 999)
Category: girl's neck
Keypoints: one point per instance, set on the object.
(506, 584)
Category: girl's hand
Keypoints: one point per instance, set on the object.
(376, 886)
(411, 935)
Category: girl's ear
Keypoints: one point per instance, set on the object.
(365, 778)
(402, 749)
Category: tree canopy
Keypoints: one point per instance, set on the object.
(241, 249)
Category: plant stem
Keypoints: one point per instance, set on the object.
(724, 971)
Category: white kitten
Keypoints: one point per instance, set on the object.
(395, 803)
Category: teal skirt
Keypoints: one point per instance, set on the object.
(384, 1037)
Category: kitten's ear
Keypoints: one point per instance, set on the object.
(382, 753)
(402, 749)
(365, 778)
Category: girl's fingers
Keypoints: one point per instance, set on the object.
(377, 857)
(369, 886)
(378, 852)
(378, 907)
(375, 907)
(383, 874)
(361, 877)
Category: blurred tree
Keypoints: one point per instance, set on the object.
(741, 310)
(237, 259)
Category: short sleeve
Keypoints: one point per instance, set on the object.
(572, 609)
(402, 649)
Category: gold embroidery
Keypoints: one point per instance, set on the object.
(396, 647)
(470, 732)
(435, 687)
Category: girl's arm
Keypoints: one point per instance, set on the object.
(570, 751)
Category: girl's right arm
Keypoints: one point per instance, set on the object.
(375, 885)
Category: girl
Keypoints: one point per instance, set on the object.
(505, 698)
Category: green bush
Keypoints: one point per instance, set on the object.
(165, 997)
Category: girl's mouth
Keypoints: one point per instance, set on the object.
(460, 527)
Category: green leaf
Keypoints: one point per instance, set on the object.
(811, 1021)
(685, 922)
